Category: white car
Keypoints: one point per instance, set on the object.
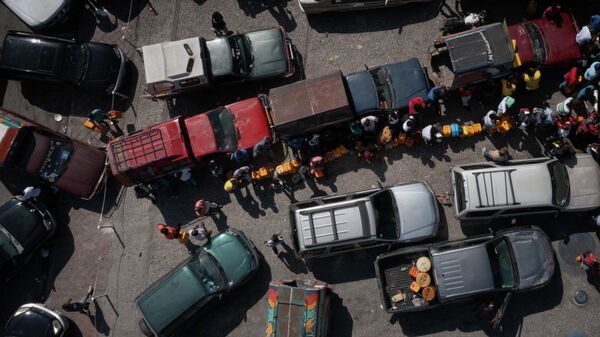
(40, 14)
(322, 6)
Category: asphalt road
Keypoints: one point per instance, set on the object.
(138, 255)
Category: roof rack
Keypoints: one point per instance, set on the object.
(488, 199)
(312, 225)
(138, 149)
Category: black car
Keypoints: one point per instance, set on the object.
(91, 66)
(24, 227)
(35, 320)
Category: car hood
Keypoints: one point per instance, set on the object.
(408, 81)
(32, 12)
(533, 255)
(268, 53)
(250, 120)
(463, 271)
(363, 92)
(233, 256)
(418, 210)
(584, 180)
(219, 54)
(103, 67)
(84, 171)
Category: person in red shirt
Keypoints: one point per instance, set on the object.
(589, 262)
(169, 232)
(465, 93)
(552, 13)
(572, 79)
(416, 105)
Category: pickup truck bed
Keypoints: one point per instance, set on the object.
(393, 277)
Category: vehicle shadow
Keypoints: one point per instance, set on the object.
(232, 310)
(277, 8)
(335, 269)
(461, 316)
(375, 19)
(341, 320)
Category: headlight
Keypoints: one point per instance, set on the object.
(20, 311)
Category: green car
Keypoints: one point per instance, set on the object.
(215, 269)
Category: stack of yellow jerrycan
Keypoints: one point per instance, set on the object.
(456, 130)
(288, 168)
(262, 173)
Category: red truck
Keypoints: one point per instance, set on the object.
(52, 157)
(181, 142)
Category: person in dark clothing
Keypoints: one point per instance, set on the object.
(218, 25)
(561, 148)
(82, 306)
(144, 191)
(276, 240)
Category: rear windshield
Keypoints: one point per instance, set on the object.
(540, 53)
(460, 191)
(385, 215)
(56, 160)
(384, 89)
(502, 264)
(224, 129)
(560, 183)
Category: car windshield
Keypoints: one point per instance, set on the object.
(385, 215)
(75, 62)
(502, 265)
(538, 46)
(560, 183)
(56, 160)
(207, 269)
(241, 55)
(224, 129)
(7, 249)
(385, 92)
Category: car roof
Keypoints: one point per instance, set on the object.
(499, 187)
(38, 54)
(323, 224)
(486, 46)
(463, 271)
(169, 61)
(219, 55)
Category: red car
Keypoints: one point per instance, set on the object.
(56, 159)
(184, 141)
(541, 41)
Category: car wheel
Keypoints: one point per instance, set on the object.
(145, 328)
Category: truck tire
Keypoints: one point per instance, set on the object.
(145, 328)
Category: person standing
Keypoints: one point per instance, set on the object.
(170, 232)
(276, 240)
(200, 233)
(416, 105)
(572, 79)
(98, 117)
(240, 156)
(489, 120)
(466, 93)
(243, 174)
(508, 87)
(263, 148)
(231, 185)
(369, 123)
(30, 192)
(204, 207)
(219, 27)
(82, 306)
(185, 176)
(532, 78)
(296, 145)
(505, 106)
(553, 13)
(592, 73)
(431, 134)
(497, 156)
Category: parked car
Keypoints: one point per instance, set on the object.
(495, 50)
(91, 66)
(52, 157)
(35, 320)
(215, 269)
(52, 13)
(516, 260)
(194, 63)
(336, 224)
(387, 87)
(298, 308)
(323, 6)
(484, 191)
(24, 227)
(308, 106)
(164, 148)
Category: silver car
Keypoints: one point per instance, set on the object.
(335, 224)
(323, 6)
(484, 191)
